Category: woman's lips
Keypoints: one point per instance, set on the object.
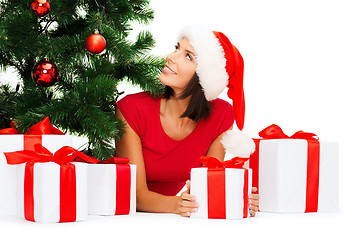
(167, 70)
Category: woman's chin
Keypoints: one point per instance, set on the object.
(163, 79)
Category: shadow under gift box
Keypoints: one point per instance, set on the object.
(283, 176)
(237, 188)
(8, 173)
(46, 192)
(111, 189)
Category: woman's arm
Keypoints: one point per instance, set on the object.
(216, 148)
(130, 147)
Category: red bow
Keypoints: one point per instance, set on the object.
(43, 127)
(275, 132)
(211, 162)
(41, 154)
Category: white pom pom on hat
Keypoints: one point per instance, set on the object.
(238, 143)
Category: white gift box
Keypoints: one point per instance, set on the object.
(102, 189)
(283, 173)
(234, 192)
(47, 191)
(8, 173)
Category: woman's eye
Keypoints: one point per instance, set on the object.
(189, 57)
(176, 48)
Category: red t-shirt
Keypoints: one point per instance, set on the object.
(168, 161)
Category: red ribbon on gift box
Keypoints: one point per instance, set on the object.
(34, 134)
(63, 157)
(216, 185)
(312, 183)
(123, 184)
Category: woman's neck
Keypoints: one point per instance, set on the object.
(173, 124)
(174, 106)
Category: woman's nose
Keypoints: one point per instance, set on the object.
(171, 57)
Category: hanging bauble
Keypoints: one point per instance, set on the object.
(45, 73)
(41, 7)
(95, 43)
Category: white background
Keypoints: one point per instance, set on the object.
(295, 55)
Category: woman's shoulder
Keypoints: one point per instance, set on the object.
(140, 99)
(221, 111)
(220, 105)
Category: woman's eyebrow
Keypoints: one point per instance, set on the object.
(191, 52)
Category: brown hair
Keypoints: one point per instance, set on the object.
(198, 107)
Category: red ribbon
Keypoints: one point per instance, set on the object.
(34, 134)
(123, 184)
(312, 183)
(63, 157)
(43, 127)
(216, 185)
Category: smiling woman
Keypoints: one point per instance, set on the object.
(166, 135)
(179, 67)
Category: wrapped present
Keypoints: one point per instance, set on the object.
(221, 188)
(112, 187)
(43, 133)
(295, 174)
(50, 188)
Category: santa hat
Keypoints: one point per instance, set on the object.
(219, 65)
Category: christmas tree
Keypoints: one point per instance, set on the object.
(81, 102)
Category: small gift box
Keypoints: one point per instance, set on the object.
(50, 187)
(221, 188)
(112, 187)
(295, 174)
(41, 133)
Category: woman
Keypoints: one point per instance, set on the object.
(165, 136)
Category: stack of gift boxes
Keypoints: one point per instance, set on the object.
(43, 179)
(296, 174)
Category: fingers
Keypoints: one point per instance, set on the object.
(253, 204)
(187, 203)
(187, 211)
(188, 185)
(254, 189)
(186, 196)
(252, 213)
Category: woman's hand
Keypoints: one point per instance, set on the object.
(187, 203)
(253, 202)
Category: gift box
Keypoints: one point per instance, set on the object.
(51, 187)
(295, 174)
(11, 141)
(112, 188)
(48, 191)
(221, 189)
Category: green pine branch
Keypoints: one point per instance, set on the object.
(82, 101)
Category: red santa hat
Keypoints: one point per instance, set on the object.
(219, 65)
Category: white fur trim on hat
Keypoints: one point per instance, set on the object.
(210, 60)
(238, 143)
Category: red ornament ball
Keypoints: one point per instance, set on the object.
(41, 7)
(45, 73)
(95, 43)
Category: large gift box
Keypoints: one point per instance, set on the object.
(50, 187)
(42, 133)
(295, 174)
(112, 187)
(221, 189)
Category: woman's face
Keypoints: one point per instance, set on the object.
(179, 67)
